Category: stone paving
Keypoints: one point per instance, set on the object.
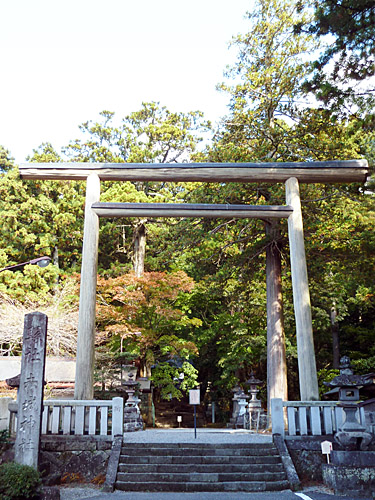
(203, 436)
(307, 494)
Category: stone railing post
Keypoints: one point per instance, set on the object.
(277, 416)
(117, 417)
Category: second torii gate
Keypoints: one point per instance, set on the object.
(290, 173)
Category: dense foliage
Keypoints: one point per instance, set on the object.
(196, 302)
(18, 482)
(348, 26)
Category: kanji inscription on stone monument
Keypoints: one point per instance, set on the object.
(30, 395)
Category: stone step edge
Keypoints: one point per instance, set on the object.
(211, 477)
(144, 453)
(227, 468)
(196, 460)
(201, 486)
(205, 446)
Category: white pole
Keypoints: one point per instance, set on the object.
(84, 381)
(301, 296)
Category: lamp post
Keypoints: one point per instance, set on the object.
(39, 261)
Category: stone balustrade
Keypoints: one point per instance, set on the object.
(79, 417)
(304, 418)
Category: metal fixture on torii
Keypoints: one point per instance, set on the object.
(290, 173)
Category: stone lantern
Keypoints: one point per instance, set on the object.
(253, 383)
(236, 392)
(352, 434)
(352, 468)
(132, 416)
(254, 406)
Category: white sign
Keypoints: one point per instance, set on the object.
(194, 397)
(179, 418)
(326, 448)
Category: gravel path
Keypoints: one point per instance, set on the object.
(203, 436)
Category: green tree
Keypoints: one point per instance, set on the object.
(6, 161)
(264, 84)
(151, 135)
(39, 218)
(349, 55)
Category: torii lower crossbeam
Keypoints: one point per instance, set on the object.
(191, 210)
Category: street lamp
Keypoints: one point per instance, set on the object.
(39, 261)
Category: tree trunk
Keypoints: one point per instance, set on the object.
(277, 385)
(335, 338)
(139, 249)
(55, 256)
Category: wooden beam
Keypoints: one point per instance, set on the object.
(308, 380)
(84, 381)
(307, 172)
(191, 210)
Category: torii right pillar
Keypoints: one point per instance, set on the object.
(308, 379)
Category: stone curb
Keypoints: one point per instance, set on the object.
(290, 470)
(113, 463)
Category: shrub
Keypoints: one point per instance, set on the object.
(4, 437)
(18, 482)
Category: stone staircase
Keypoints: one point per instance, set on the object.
(200, 467)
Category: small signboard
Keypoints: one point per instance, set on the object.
(326, 448)
(194, 397)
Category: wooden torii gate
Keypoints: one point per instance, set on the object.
(289, 173)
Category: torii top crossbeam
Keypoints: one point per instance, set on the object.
(305, 172)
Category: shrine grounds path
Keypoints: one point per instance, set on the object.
(203, 436)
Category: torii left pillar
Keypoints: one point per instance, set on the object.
(84, 381)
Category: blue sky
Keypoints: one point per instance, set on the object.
(64, 61)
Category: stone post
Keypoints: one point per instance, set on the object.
(308, 380)
(30, 395)
(277, 416)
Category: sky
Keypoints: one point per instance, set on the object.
(64, 61)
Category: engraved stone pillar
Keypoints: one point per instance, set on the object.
(30, 395)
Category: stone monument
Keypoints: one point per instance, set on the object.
(30, 394)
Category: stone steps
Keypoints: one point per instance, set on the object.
(200, 467)
(209, 477)
(207, 452)
(193, 459)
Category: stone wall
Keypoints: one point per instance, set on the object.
(307, 456)
(306, 453)
(67, 459)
